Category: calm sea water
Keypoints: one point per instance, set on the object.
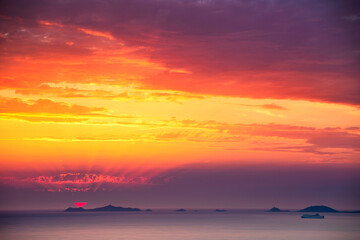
(170, 225)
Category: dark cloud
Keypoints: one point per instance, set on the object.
(280, 49)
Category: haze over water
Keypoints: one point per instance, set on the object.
(170, 225)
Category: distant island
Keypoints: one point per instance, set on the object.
(220, 210)
(181, 210)
(111, 208)
(275, 209)
(355, 211)
(321, 208)
(108, 208)
(79, 209)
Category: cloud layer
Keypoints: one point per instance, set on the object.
(262, 49)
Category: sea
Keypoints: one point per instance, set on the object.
(172, 225)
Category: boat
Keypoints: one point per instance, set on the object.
(316, 216)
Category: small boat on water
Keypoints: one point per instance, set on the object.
(316, 216)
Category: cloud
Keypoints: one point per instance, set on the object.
(260, 137)
(97, 33)
(46, 119)
(298, 149)
(101, 91)
(46, 110)
(65, 92)
(84, 30)
(260, 49)
(265, 137)
(16, 105)
(336, 140)
(78, 182)
(318, 138)
(270, 106)
(87, 139)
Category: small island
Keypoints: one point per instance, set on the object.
(181, 210)
(321, 208)
(79, 209)
(275, 209)
(220, 210)
(108, 208)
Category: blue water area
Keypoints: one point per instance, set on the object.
(171, 225)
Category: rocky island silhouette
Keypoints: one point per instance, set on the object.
(321, 208)
(275, 209)
(180, 210)
(111, 208)
(220, 210)
(108, 208)
(314, 209)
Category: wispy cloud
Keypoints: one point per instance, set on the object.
(16, 105)
(77, 182)
(84, 30)
(269, 106)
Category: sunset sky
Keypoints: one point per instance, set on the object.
(179, 103)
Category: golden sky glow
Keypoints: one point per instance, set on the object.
(132, 124)
(86, 95)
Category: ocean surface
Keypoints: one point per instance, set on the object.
(170, 225)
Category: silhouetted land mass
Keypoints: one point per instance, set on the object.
(109, 208)
(70, 209)
(356, 211)
(220, 210)
(275, 209)
(321, 208)
(181, 210)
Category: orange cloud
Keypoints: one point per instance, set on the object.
(16, 105)
(266, 106)
(127, 92)
(325, 138)
(47, 23)
(45, 118)
(308, 139)
(97, 33)
(84, 30)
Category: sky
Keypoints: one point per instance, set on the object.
(179, 103)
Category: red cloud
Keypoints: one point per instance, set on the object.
(319, 138)
(97, 33)
(224, 46)
(77, 182)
